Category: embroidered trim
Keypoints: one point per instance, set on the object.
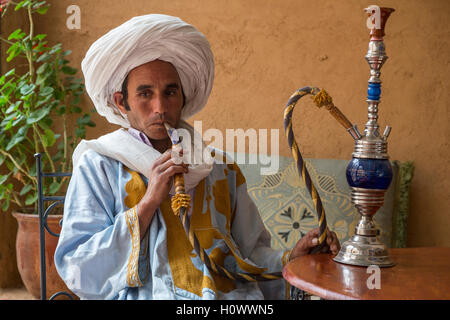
(132, 269)
(286, 257)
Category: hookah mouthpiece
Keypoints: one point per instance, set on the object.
(181, 200)
(173, 134)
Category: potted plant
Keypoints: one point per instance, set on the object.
(46, 89)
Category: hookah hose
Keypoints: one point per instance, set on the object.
(180, 206)
(321, 98)
(181, 201)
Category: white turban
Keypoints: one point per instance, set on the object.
(138, 41)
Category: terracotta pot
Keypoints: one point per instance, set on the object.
(28, 255)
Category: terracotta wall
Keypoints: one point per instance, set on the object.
(266, 49)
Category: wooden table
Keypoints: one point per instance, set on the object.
(419, 274)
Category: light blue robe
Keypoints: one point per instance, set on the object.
(99, 255)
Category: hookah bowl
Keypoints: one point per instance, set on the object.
(369, 173)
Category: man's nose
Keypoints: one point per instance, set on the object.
(159, 105)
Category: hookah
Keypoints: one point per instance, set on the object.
(369, 173)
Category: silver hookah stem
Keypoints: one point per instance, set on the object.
(372, 144)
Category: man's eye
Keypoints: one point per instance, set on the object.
(171, 92)
(144, 94)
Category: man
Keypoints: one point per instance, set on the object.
(120, 238)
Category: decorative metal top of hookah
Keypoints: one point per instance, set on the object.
(373, 145)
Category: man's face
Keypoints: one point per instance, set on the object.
(154, 96)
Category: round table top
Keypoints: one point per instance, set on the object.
(419, 273)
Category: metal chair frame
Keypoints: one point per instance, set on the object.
(43, 226)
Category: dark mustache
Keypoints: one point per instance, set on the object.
(157, 119)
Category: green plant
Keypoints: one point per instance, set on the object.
(30, 101)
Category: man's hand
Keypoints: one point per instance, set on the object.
(311, 240)
(160, 178)
(159, 183)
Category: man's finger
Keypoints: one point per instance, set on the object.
(170, 162)
(171, 171)
(331, 237)
(313, 233)
(333, 242)
(312, 237)
(162, 158)
(334, 237)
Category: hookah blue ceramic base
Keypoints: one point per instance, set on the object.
(369, 179)
(369, 173)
